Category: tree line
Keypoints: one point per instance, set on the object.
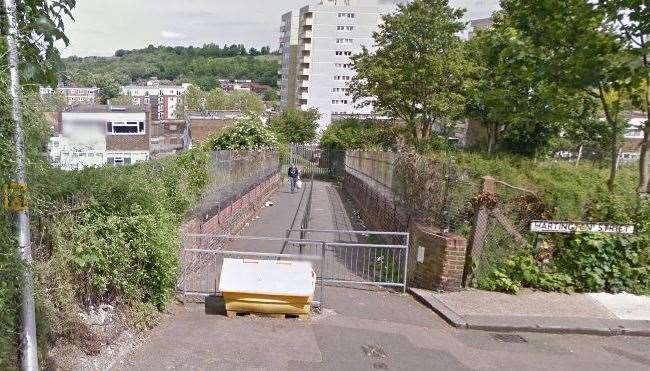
(207, 50)
(200, 66)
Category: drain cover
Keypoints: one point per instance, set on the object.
(509, 338)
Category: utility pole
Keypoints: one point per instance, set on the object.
(29, 351)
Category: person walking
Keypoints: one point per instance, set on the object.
(294, 176)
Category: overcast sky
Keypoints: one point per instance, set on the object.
(103, 26)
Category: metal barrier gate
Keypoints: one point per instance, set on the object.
(361, 263)
(202, 257)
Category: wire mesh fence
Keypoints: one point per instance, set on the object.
(428, 190)
(234, 173)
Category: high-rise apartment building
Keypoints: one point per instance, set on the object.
(328, 35)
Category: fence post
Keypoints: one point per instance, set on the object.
(479, 229)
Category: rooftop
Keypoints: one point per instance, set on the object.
(106, 108)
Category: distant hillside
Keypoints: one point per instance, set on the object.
(202, 66)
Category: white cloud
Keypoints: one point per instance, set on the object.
(171, 35)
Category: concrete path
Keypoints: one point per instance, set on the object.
(361, 330)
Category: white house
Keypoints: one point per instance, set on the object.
(92, 136)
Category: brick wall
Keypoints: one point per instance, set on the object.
(135, 142)
(444, 254)
(201, 128)
(232, 218)
(443, 259)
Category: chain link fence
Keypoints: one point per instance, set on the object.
(502, 223)
(232, 174)
(315, 161)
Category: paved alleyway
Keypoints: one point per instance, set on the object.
(359, 329)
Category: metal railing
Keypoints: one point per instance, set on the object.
(203, 256)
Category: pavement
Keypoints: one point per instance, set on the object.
(358, 328)
(534, 311)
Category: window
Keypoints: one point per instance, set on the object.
(346, 15)
(339, 101)
(340, 90)
(341, 52)
(118, 161)
(343, 65)
(344, 41)
(344, 28)
(341, 78)
(130, 127)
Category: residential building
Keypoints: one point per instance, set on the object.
(329, 34)
(74, 95)
(235, 85)
(92, 136)
(479, 24)
(161, 100)
(203, 124)
(169, 136)
(632, 138)
(289, 49)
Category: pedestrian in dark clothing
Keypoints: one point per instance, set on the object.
(294, 176)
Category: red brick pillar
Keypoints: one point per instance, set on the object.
(436, 260)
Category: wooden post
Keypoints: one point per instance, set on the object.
(479, 229)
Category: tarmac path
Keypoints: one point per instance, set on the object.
(359, 329)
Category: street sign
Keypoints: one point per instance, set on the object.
(550, 226)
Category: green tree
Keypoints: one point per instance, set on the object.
(577, 50)
(217, 99)
(296, 126)
(418, 70)
(41, 26)
(246, 102)
(630, 19)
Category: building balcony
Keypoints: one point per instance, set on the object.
(304, 95)
(307, 34)
(304, 83)
(304, 107)
(305, 59)
(308, 21)
(306, 46)
(305, 71)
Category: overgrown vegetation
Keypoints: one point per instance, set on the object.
(246, 134)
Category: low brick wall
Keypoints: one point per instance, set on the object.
(232, 218)
(443, 254)
(376, 208)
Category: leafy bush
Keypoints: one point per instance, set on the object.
(523, 270)
(612, 263)
(247, 134)
(360, 134)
